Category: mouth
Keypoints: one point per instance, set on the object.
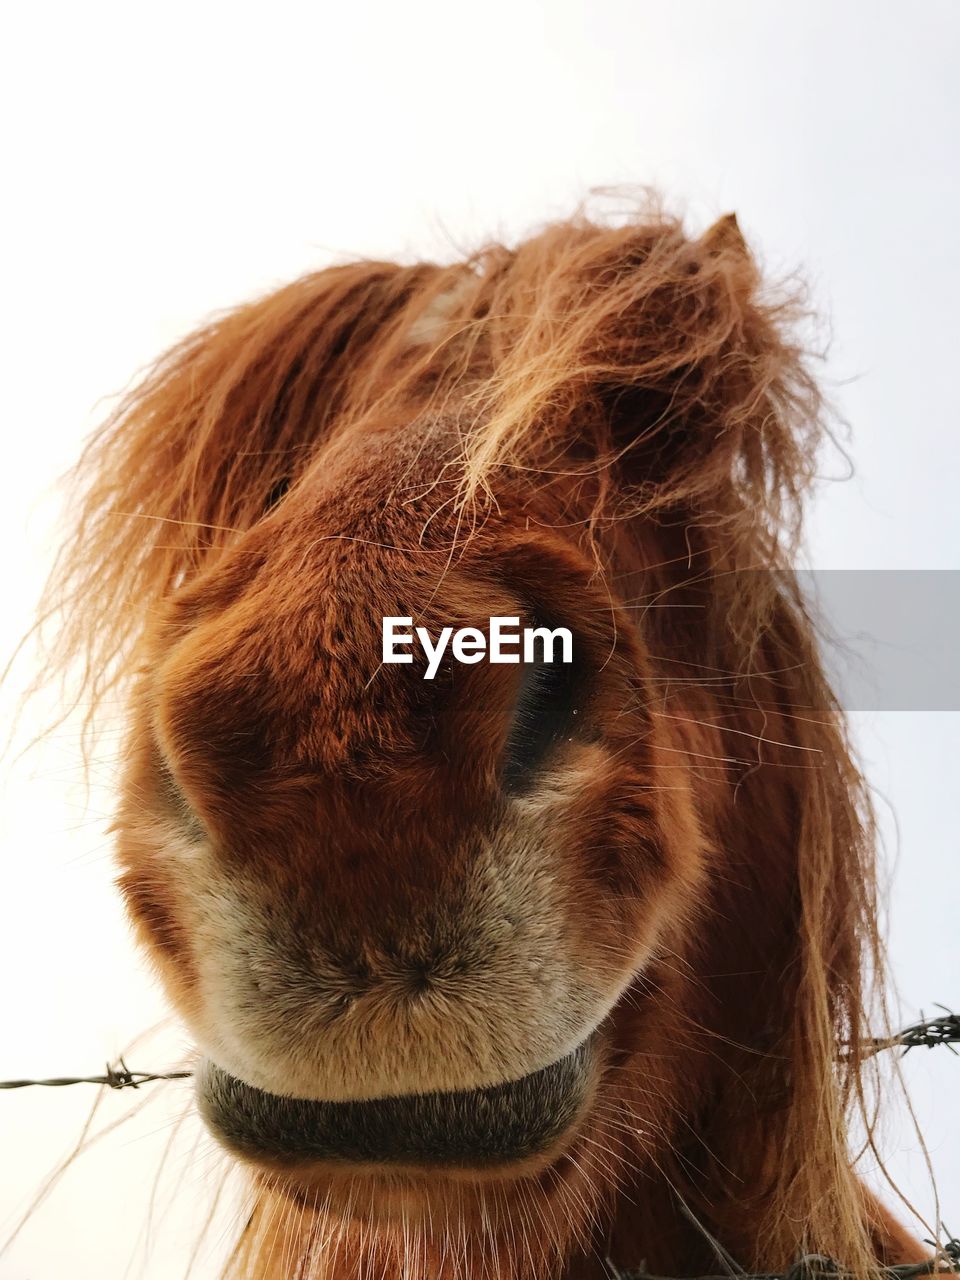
(499, 1124)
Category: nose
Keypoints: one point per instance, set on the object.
(374, 909)
(478, 1128)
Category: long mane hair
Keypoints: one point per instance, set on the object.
(654, 382)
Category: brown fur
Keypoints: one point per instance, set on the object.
(611, 426)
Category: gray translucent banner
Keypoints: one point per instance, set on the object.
(890, 638)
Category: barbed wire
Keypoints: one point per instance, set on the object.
(928, 1033)
(943, 1029)
(117, 1076)
(816, 1266)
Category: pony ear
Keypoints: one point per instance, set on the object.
(725, 236)
(658, 354)
(708, 392)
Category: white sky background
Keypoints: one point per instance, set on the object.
(163, 161)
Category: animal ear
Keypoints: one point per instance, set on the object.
(708, 390)
(725, 236)
(657, 353)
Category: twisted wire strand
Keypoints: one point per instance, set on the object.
(815, 1266)
(943, 1029)
(116, 1076)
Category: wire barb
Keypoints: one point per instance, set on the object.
(930, 1032)
(943, 1029)
(117, 1076)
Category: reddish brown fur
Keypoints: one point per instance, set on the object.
(611, 424)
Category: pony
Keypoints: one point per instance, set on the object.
(528, 966)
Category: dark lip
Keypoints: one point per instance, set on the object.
(476, 1128)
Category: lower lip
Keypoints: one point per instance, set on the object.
(478, 1129)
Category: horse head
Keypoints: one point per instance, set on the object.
(501, 971)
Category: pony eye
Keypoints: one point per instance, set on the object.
(545, 715)
(275, 495)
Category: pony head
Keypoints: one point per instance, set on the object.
(499, 972)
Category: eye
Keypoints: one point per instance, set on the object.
(276, 494)
(545, 714)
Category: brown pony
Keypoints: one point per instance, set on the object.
(510, 971)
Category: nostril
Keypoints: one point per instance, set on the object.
(420, 982)
(345, 1005)
(388, 979)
